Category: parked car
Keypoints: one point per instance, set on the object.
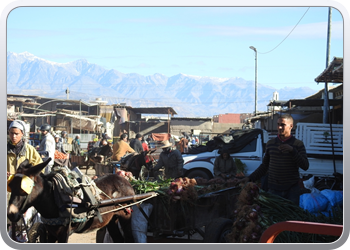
(249, 147)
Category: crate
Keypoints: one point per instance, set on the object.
(34, 136)
(79, 160)
(317, 138)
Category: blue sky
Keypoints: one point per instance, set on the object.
(202, 41)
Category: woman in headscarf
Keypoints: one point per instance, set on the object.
(18, 150)
(224, 166)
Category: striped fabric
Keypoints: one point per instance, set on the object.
(282, 168)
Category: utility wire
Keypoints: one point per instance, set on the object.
(288, 34)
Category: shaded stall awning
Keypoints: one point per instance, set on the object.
(81, 122)
(154, 110)
(333, 73)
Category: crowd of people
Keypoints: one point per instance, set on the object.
(283, 157)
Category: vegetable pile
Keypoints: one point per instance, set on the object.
(183, 188)
(144, 186)
(256, 210)
(178, 189)
(60, 155)
(127, 175)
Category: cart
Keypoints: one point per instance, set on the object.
(81, 161)
(208, 219)
(38, 234)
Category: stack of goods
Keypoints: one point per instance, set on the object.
(61, 156)
(256, 210)
(183, 189)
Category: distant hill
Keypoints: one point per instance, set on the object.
(189, 95)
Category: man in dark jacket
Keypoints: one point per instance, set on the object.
(283, 157)
(136, 143)
(171, 160)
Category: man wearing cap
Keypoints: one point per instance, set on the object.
(136, 143)
(171, 160)
(47, 144)
(18, 150)
(104, 137)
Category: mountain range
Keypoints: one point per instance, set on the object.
(191, 96)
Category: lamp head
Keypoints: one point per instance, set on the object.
(253, 48)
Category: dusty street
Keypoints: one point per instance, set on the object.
(87, 237)
(83, 238)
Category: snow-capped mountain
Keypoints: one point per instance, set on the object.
(188, 95)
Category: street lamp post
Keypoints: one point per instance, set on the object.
(256, 78)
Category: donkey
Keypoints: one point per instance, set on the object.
(134, 162)
(41, 195)
(95, 154)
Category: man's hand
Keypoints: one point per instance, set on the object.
(285, 148)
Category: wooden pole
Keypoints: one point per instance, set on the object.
(168, 121)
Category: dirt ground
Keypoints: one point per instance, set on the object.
(83, 238)
(87, 237)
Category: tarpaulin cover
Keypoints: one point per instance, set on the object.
(161, 137)
(237, 140)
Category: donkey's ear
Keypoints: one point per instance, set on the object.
(151, 151)
(35, 170)
(24, 164)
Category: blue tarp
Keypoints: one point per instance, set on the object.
(321, 202)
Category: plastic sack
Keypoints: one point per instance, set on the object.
(313, 202)
(139, 223)
(335, 197)
(309, 184)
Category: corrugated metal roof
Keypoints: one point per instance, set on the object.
(154, 110)
(191, 118)
(333, 73)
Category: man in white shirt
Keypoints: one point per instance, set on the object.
(47, 144)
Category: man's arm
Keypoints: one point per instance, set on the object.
(180, 162)
(262, 169)
(217, 171)
(300, 156)
(159, 163)
(233, 171)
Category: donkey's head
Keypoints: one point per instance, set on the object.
(25, 187)
(151, 160)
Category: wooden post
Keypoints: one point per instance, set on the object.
(168, 121)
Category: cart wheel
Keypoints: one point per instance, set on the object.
(144, 174)
(37, 233)
(198, 173)
(217, 230)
